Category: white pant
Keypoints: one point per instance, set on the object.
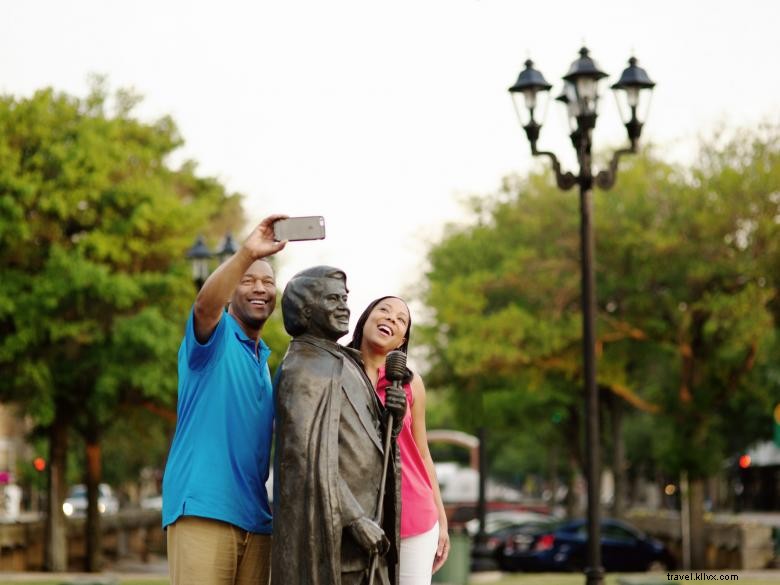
(417, 554)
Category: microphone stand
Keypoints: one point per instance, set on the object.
(380, 500)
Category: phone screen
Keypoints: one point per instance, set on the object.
(300, 228)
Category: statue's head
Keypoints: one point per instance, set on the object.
(315, 302)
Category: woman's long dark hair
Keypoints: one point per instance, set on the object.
(357, 337)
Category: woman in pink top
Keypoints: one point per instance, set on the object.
(385, 325)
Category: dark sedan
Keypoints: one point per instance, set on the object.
(563, 547)
(500, 526)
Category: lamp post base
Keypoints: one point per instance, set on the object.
(594, 576)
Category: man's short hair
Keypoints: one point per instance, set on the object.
(303, 290)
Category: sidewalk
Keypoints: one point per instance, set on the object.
(126, 570)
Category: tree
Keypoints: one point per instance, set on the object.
(505, 293)
(687, 301)
(702, 245)
(93, 229)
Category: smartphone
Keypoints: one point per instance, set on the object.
(300, 228)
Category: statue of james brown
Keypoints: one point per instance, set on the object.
(329, 448)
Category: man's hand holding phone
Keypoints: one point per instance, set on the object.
(261, 242)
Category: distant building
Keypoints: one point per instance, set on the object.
(13, 444)
(14, 454)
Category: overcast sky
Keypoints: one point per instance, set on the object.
(382, 115)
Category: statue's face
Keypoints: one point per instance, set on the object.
(329, 315)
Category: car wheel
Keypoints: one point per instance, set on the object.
(505, 564)
(574, 565)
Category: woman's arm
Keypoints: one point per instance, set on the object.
(421, 440)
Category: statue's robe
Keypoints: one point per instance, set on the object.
(328, 469)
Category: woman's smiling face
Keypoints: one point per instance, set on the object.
(387, 324)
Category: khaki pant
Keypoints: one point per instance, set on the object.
(209, 552)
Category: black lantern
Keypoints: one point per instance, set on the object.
(633, 92)
(530, 83)
(227, 249)
(568, 97)
(584, 76)
(200, 256)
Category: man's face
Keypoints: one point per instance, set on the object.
(254, 299)
(329, 315)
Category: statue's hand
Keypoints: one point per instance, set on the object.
(395, 402)
(369, 535)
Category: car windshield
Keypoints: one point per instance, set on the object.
(78, 491)
(531, 527)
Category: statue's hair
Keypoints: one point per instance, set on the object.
(302, 291)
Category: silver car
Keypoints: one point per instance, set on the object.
(76, 502)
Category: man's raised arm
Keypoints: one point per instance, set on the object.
(215, 292)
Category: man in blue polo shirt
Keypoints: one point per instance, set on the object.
(215, 505)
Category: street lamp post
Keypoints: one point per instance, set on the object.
(200, 255)
(580, 95)
(227, 249)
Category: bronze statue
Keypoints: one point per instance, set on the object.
(329, 449)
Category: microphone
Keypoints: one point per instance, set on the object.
(395, 371)
(395, 366)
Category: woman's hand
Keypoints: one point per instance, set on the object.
(443, 548)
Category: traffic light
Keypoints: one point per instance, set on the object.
(744, 461)
(39, 463)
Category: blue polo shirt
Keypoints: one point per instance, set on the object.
(218, 463)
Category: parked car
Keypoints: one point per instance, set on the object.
(499, 526)
(499, 519)
(459, 515)
(563, 547)
(76, 502)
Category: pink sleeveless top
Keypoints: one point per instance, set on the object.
(418, 508)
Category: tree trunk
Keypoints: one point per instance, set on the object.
(94, 559)
(56, 524)
(482, 495)
(553, 477)
(618, 457)
(698, 543)
(574, 496)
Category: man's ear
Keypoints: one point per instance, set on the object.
(306, 312)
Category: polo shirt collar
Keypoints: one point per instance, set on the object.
(263, 350)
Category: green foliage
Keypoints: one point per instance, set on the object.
(94, 225)
(275, 337)
(686, 265)
(138, 439)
